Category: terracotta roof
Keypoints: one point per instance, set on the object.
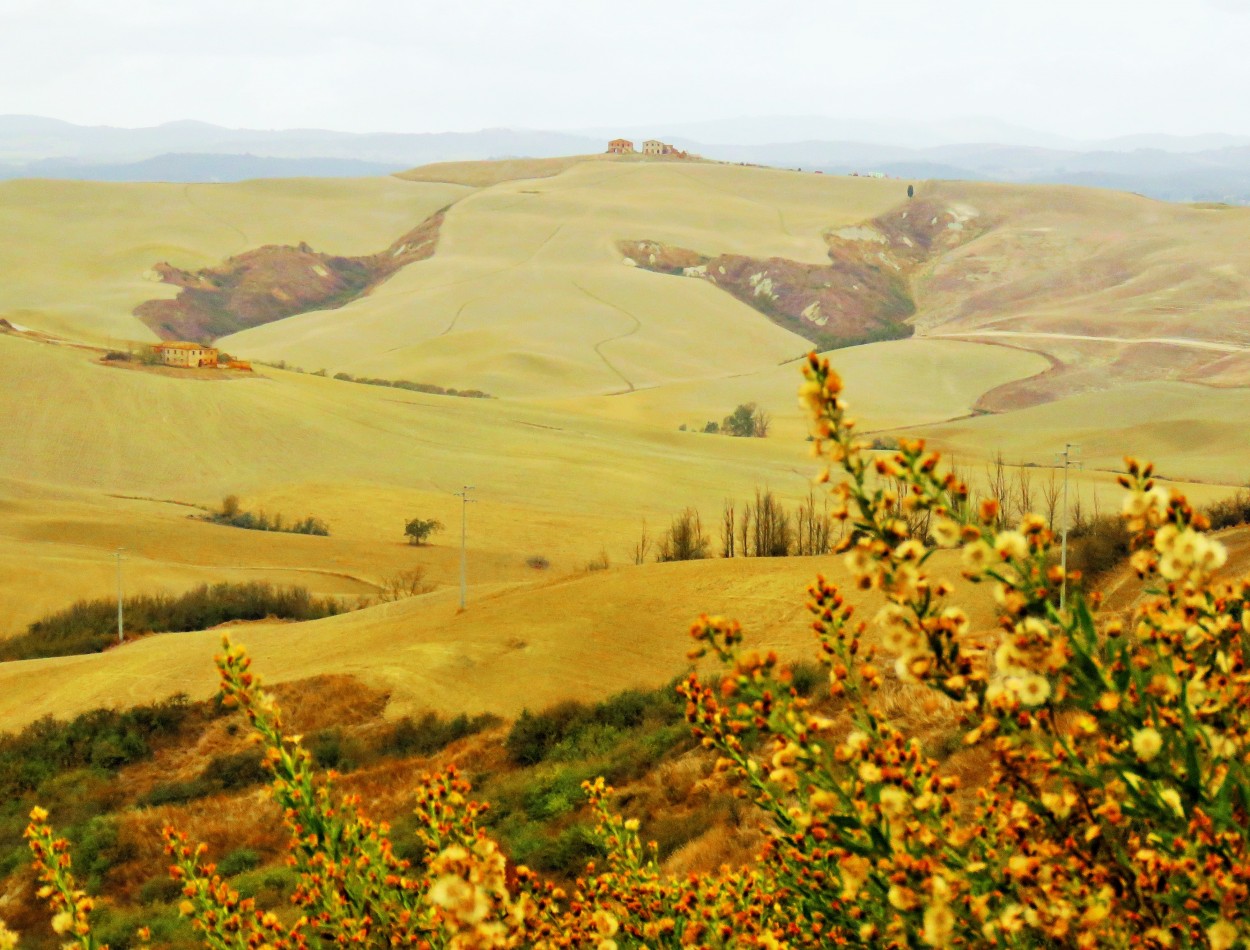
(180, 345)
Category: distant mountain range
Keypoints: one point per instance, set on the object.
(1174, 168)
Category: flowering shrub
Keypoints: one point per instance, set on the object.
(1112, 811)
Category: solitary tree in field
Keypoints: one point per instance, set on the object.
(419, 530)
(741, 422)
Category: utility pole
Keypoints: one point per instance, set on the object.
(1068, 462)
(121, 630)
(465, 501)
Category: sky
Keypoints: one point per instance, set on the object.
(1079, 68)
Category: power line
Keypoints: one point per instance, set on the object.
(1066, 459)
(121, 628)
(465, 501)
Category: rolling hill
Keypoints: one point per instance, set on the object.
(1041, 315)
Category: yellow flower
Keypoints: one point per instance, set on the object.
(1136, 504)
(1222, 935)
(605, 923)
(902, 898)
(946, 533)
(1033, 690)
(8, 939)
(957, 618)
(894, 801)
(859, 561)
(62, 921)
(1172, 799)
(868, 772)
(977, 557)
(939, 925)
(1147, 743)
(1011, 544)
(857, 741)
(909, 550)
(1009, 661)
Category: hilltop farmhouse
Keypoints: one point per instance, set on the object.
(649, 147)
(180, 353)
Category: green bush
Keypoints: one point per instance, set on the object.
(237, 770)
(50, 747)
(231, 514)
(533, 735)
(159, 890)
(176, 793)
(269, 887)
(430, 733)
(89, 626)
(238, 861)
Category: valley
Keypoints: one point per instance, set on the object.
(1041, 316)
(612, 315)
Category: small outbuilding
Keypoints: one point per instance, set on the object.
(182, 353)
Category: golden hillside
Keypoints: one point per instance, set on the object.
(596, 366)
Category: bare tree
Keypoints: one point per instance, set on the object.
(1050, 497)
(813, 530)
(409, 583)
(770, 536)
(727, 529)
(1024, 490)
(684, 540)
(762, 420)
(642, 547)
(999, 486)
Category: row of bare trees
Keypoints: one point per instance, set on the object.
(763, 527)
(760, 527)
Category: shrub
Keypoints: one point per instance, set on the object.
(534, 734)
(178, 792)
(684, 540)
(1230, 512)
(232, 516)
(430, 733)
(235, 770)
(238, 861)
(48, 747)
(1098, 545)
(90, 626)
(404, 584)
(538, 562)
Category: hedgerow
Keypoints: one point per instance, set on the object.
(90, 626)
(1111, 805)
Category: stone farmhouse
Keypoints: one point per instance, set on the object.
(181, 353)
(649, 147)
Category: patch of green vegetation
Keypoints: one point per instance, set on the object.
(102, 740)
(409, 385)
(231, 515)
(89, 626)
(538, 811)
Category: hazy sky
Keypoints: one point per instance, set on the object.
(1086, 68)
